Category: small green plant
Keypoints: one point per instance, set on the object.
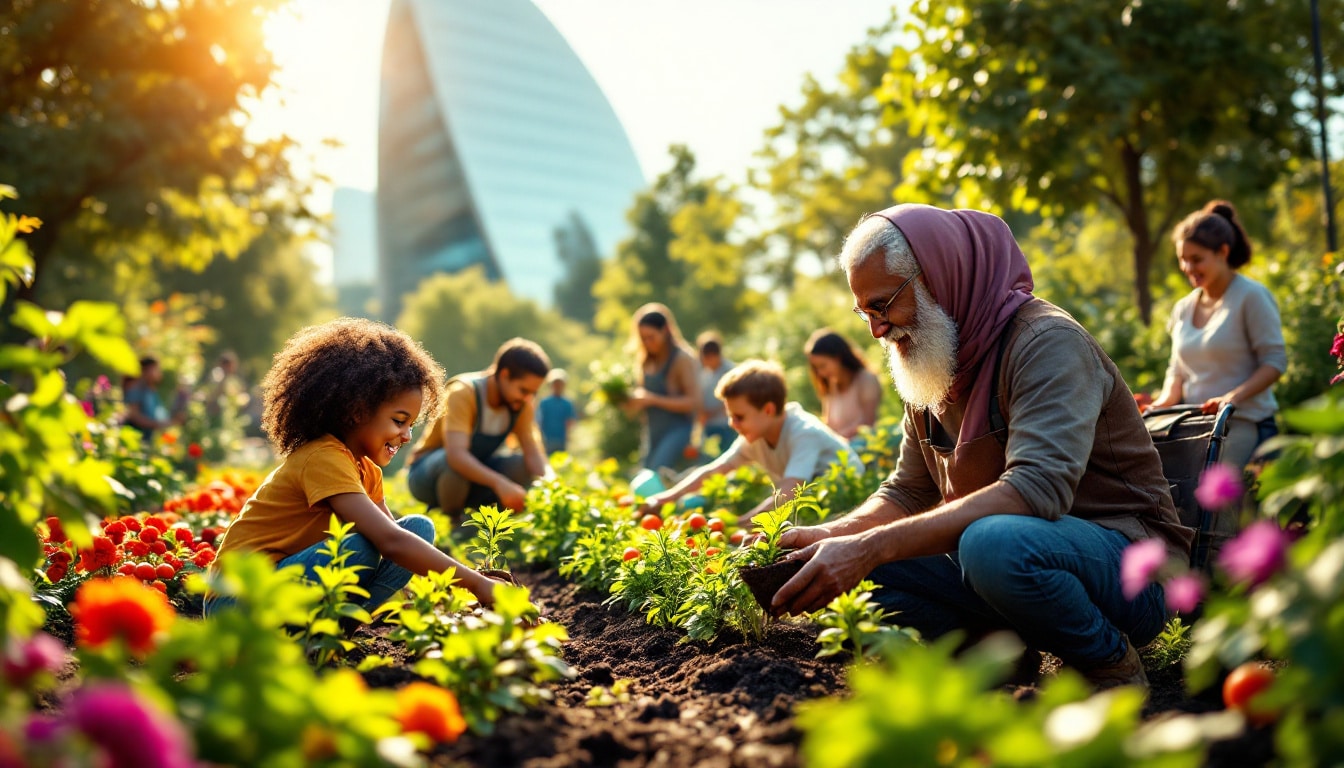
(496, 660)
(1170, 647)
(415, 619)
(323, 636)
(618, 693)
(853, 619)
(494, 528)
(657, 582)
(596, 558)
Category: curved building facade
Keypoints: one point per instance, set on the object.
(492, 136)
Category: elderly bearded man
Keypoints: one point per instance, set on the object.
(1025, 468)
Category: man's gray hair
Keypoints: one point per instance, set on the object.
(877, 236)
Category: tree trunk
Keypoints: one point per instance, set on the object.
(1136, 218)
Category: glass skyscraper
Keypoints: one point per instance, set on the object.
(492, 135)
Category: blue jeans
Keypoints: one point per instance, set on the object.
(667, 449)
(1056, 584)
(381, 577)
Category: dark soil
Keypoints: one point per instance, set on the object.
(719, 705)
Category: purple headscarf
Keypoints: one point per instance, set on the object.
(978, 275)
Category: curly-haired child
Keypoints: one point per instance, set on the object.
(339, 403)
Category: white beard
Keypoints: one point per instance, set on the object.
(924, 377)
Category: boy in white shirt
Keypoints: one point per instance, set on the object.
(790, 444)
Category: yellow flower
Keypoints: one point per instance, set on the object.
(28, 224)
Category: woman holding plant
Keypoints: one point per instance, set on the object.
(667, 390)
(1226, 338)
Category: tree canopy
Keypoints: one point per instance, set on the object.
(1149, 109)
(685, 252)
(123, 121)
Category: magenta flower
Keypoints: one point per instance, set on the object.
(1219, 487)
(1184, 592)
(1256, 554)
(1337, 348)
(88, 408)
(24, 659)
(1138, 563)
(130, 732)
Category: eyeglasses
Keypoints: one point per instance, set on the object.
(868, 316)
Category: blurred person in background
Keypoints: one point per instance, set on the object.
(1226, 336)
(713, 414)
(556, 414)
(849, 390)
(667, 389)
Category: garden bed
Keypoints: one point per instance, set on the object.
(727, 703)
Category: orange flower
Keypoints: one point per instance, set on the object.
(431, 710)
(169, 438)
(28, 224)
(158, 307)
(109, 608)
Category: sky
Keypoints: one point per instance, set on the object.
(710, 74)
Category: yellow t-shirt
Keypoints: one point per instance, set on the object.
(459, 415)
(290, 511)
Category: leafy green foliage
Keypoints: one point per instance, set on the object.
(43, 471)
(685, 252)
(853, 619)
(464, 317)
(930, 709)
(494, 528)
(165, 173)
(602, 696)
(252, 699)
(1150, 111)
(340, 597)
(496, 660)
(1170, 647)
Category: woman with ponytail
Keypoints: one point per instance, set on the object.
(1227, 340)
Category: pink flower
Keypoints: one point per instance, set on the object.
(1138, 563)
(1255, 555)
(102, 385)
(1219, 487)
(1184, 592)
(1338, 378)
(130, 732)
(88, 408)
(25, 659)
(1337, 348)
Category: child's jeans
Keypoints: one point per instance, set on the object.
(382, 578)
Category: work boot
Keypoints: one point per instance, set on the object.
(1128, 670)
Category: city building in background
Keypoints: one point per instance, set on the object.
(492, 136)
(354, 252)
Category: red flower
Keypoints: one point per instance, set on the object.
(57, 532)
(157, 522)
(149, 534)
(116, 531)
(56, 572)
(183, 535)
(204, 558)
(105, 609)
(158, 547)
(131, 523)
(194, 450)
(428, 709)
(137, 548)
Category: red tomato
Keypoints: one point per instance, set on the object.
(165, 571)
(631, 554)
(716, 525)
(697, 521)
(738, 536)
(145, 571)
(690, 543)
(1243, 685)
(159, 585)
(127, 569)
(712, 551)
(651, 522)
